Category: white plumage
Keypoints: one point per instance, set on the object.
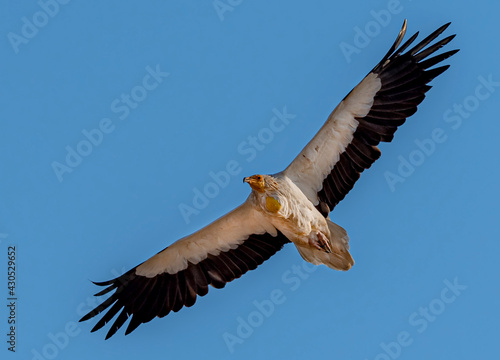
(222, 235)
(315, 162)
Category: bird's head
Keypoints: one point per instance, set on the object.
(256, 182)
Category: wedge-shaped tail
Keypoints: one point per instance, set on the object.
(339, 258)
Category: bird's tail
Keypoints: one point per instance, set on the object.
(339, 258)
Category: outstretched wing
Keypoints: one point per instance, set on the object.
(327, 168)
(215, 255)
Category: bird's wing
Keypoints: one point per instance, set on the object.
(224, 250)
(327, 168)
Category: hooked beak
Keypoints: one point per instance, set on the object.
(246, 179)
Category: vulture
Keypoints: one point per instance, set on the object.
(290, 206)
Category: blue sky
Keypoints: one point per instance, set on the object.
(160, 96)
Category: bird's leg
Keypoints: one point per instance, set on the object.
(318, 240)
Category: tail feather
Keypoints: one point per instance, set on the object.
(339, 258)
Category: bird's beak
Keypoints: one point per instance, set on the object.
(246, 179)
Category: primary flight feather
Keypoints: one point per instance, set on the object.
(290, 206)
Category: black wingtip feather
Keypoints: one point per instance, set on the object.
(105, 291)
(108, 316)
(432, 49)
(437, 59)
(133, 324)
(428, 39)
(396, 43)
(103, 283)
(432, 73)
(405, 45)
(120, 320)
(108, 302)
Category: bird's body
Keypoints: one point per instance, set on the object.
(290, 206)
(291, 213)
(288, 209)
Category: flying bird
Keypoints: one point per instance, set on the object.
(290, 206)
